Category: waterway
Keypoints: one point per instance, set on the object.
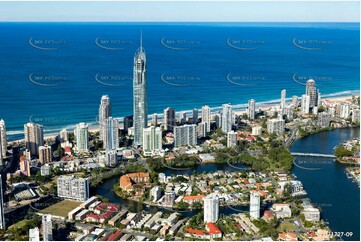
(324, 180)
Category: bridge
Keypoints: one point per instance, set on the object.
(313, 155)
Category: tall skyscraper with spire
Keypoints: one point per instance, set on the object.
(140, 100)
(3, 142)
(2, 214)
(104, 113)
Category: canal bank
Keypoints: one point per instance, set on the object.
(325, 182)
(106, 191)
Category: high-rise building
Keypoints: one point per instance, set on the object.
(140, 97)
(315, 110)
(201, 130)
(295, 101)
(2, 213)
(3, 141)
(155, 119)
(251, 110)
(206, 117)
(232, 139)
(211, 208)
(311, 91)
(305, 104)
(82, 136)
(104, 113)
(63, 135)
(218, 120)
(110, 157)
(283, 99)
(345, 110)
(47, 227)
(323, 119)
(70, 187)
(256, 130)
(152, 141)
(25, 167)
(1, 154)
(254, 207)
(34, 137)
(34, 234)
(355, 114)
(111, 134)
(195, 115)
(276, 125)
(169, 197)
(27, 154)
(154, 193)
(288, 111)
(185, 135)
(45, 170)
(227, 118)
(45, 155)
(318, 98)
(169, 118)
(128, 122)
(182, 117)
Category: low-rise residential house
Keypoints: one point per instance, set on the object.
(213, 230)
(281, 210)
(287, 236)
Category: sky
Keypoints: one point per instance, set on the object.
(137, 11)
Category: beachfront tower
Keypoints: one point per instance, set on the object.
(104, 113)
(34, 137)
(283, 99)
(3, 144)
(140, 100)
(227, 118)
(251, 111)
(311, 91)
(206, 117)
(2, 214)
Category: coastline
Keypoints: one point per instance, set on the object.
(237, 111)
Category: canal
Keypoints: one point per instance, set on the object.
(324, 179)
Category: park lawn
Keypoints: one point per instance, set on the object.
(19, 224)
(61, 208)
(287, 227)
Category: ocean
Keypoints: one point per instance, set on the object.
(54, 74)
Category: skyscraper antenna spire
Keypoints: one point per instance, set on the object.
(141, 40)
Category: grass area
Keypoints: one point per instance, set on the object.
(61, 208)
(19, 224)
(287, 227)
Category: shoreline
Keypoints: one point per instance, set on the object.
(237, 111)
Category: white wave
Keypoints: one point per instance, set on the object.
(341, 94)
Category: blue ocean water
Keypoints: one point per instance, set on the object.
(55, 73)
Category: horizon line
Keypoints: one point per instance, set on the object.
(175, 22)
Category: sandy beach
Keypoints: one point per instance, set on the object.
(236, 112)
(267, 107)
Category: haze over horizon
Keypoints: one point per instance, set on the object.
(258, 11)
